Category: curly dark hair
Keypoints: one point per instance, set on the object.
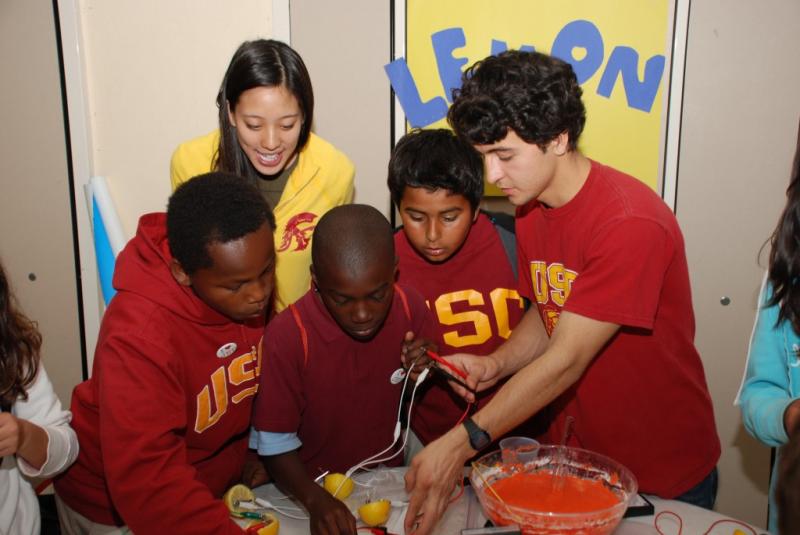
(784, 258)
(435, 159)
(535, 95)
(260, 63)
(215, 207)
(20, 342)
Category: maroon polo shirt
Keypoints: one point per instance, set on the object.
(340, 399)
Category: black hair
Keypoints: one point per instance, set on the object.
(350, 237)
(535, 95)
(435, 159)
(20, 342)
(784, 257)
(260, 63)
(215, 207)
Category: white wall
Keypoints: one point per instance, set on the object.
(740, 117)
(345, 45)
(153, 69)
(36, 246)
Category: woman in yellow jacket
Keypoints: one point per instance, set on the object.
(266, 107)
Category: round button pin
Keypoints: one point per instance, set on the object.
(398, 375)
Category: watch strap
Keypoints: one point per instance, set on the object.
(478, 437)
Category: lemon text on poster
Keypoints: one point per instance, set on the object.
(623, 61)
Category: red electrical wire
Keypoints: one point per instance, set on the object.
(708, 531)
(676, 515)
(439, 360)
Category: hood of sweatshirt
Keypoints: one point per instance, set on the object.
(143, 268)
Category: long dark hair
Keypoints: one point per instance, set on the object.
(784, 257)
(20, 342)
(267, 63)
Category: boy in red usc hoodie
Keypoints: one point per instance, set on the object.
(163, 421)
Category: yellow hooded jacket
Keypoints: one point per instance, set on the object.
(322, 179)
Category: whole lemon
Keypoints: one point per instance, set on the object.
(339, 485)
(375, 513)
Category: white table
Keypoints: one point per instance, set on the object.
(466, 511)
(381, 484)
(696, 521)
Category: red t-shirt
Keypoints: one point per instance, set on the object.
(615, 253)
(341, 402)
(475, 306)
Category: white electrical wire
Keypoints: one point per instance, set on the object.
(374, 459)
(397, 429)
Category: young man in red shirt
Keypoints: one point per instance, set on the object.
(332, 381)
(609, 341)
(163, 422)
(453, 254)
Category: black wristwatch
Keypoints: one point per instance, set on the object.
(478, 438)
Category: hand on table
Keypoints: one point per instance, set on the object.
(254, 473)
(431, 478)
(330, 516)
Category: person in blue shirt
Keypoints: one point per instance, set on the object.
(770, 393)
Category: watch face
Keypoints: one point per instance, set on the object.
(481, 440)
(478, 438)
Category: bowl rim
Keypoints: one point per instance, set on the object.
(623, 504)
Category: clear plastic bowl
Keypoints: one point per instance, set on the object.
(574, 462)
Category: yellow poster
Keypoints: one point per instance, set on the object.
(620, 51)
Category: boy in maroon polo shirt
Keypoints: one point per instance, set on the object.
(329, 390)
(455, 256)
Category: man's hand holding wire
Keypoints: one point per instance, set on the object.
(481, 372)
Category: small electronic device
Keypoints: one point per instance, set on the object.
(639, 506)
(493, 530)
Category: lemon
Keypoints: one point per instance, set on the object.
(268, 526)
(339, 485)
(375, 513)
(235, 494)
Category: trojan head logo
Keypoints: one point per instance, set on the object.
(550, 315)
(298, 229)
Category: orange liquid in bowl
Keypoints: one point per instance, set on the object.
(537, 491)
(590, 496)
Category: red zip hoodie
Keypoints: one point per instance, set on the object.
(163, 422)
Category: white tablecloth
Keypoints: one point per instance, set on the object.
(696, 521)
(466, 511)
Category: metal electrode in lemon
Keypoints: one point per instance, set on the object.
(237, 494)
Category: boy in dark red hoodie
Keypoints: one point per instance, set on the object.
(163, 421)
